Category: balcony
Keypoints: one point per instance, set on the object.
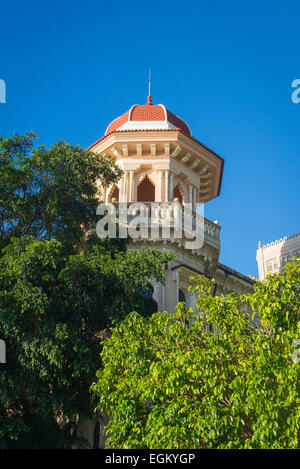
(163, 221)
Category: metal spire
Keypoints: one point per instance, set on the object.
(149, 101)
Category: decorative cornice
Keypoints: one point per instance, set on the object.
(131, 167)
(160, 166)
(279, 241)
(233, 272)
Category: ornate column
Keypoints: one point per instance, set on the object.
(159, 186)
(127, 183)
(194, 198)
(124, 194)
(190, 193)
(130, 185)
(107, 189)
(176, 279)
(171, 186)
(167, 186)
(119, 185)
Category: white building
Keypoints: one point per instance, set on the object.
(272, 257)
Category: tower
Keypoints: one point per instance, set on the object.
(162, 161)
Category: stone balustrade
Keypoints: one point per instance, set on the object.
(167, 215)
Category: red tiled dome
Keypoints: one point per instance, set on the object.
(147, 112)
(148, 116)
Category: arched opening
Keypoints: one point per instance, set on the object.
(181, 296)
(178, 193)
(146, 191)
(114, 193)
(149, 304)
(96, 436)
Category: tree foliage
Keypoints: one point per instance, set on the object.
(52, 308)
(55, 304)
(49, 193)
(169, 382)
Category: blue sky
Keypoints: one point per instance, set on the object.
(225, 67)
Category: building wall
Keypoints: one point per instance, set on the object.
(272, 257)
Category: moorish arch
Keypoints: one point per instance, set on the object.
(178, 193)
(145, 190)
(114, 193)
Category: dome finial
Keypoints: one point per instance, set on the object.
(149, 100)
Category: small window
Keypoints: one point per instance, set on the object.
(272, 265)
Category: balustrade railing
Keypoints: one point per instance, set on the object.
(166, 215)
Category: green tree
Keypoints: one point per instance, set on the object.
(169, 382)
(53, 309)
(49, 193)
(55, 304)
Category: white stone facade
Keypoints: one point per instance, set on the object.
(272, 257)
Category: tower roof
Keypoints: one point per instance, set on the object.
(148, 117)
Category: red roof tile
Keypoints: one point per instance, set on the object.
(148, 112)
(115, 124)
(175, 120)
